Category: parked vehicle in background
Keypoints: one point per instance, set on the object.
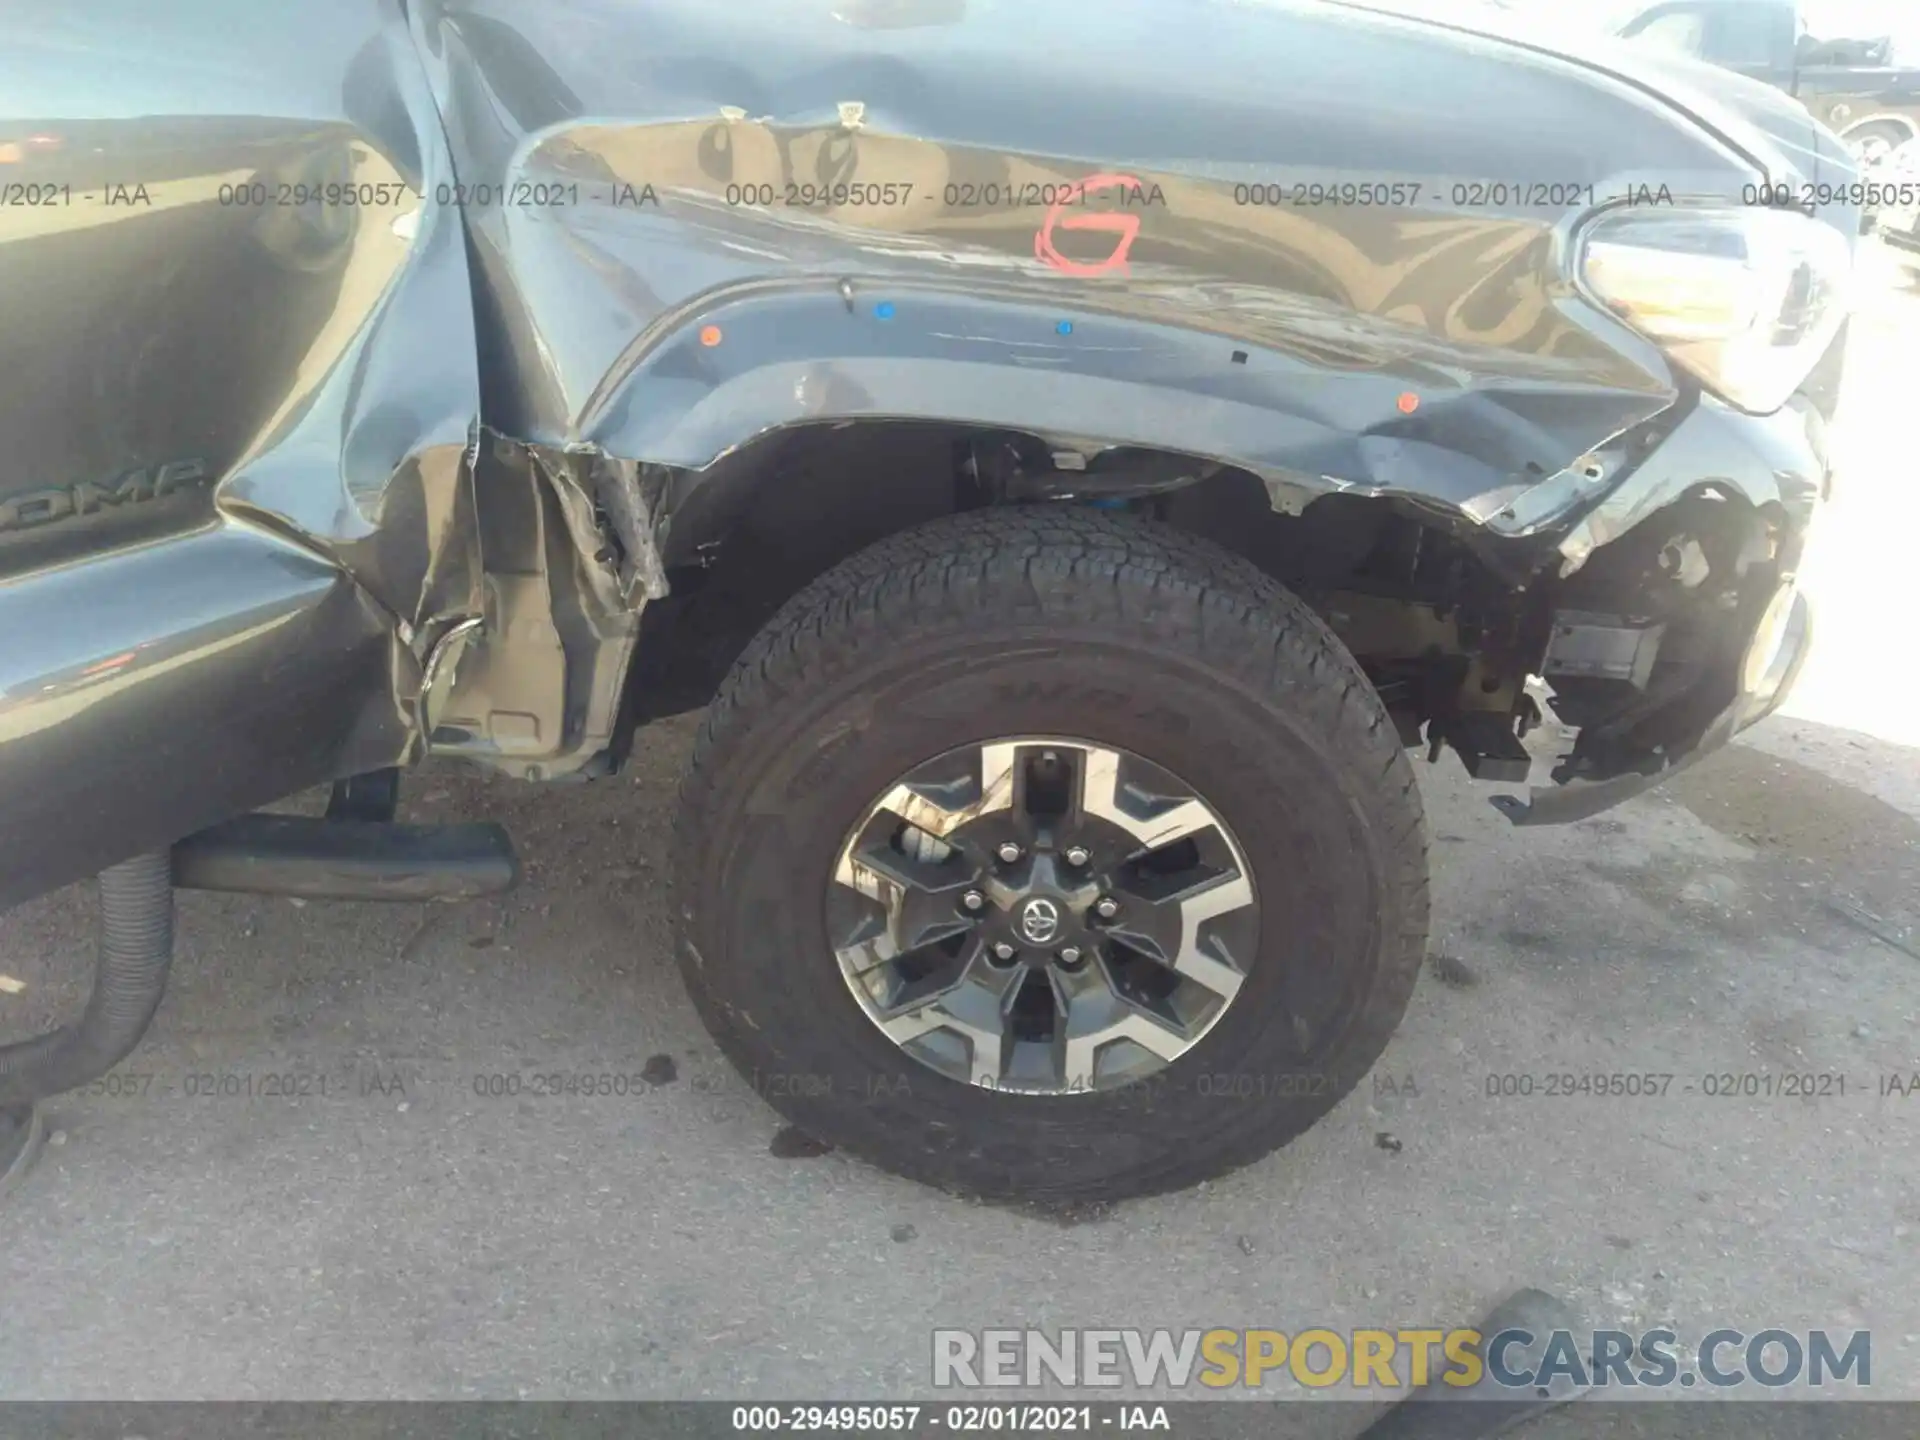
(1850, 62)
(1900, 227)
(1074, 453)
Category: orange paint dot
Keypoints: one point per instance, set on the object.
(710, 336)
(1408, 403)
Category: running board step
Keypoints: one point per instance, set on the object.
(317, 859)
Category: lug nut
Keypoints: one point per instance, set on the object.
(1070, 957)
(1106, 907)
(1079, 855)
(973, 900)
(1003, 951)
(1009, 852)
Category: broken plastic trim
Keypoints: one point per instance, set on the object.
(1579, 799)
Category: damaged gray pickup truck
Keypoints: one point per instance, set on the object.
(1074, 451)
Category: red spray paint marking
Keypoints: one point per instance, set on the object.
(1127, 227)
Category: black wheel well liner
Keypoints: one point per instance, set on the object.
(749, 532)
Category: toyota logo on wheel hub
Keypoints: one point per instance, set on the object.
(1039, 921)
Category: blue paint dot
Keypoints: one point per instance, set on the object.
(1065, 327)
(884, 310)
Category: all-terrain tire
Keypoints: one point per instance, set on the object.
(1065, 622)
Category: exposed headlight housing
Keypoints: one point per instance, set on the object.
(1746, 299)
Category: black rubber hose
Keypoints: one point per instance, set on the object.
(136, 951)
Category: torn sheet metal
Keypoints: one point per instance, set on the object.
(569, 552)
(365, 451)
(427, 309)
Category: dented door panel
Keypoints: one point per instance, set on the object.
(238, 386)
(202, 676)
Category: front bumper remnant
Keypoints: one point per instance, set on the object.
(1773, 663)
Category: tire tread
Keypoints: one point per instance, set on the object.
(1062, 564)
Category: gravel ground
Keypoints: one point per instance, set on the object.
(406, 1236)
